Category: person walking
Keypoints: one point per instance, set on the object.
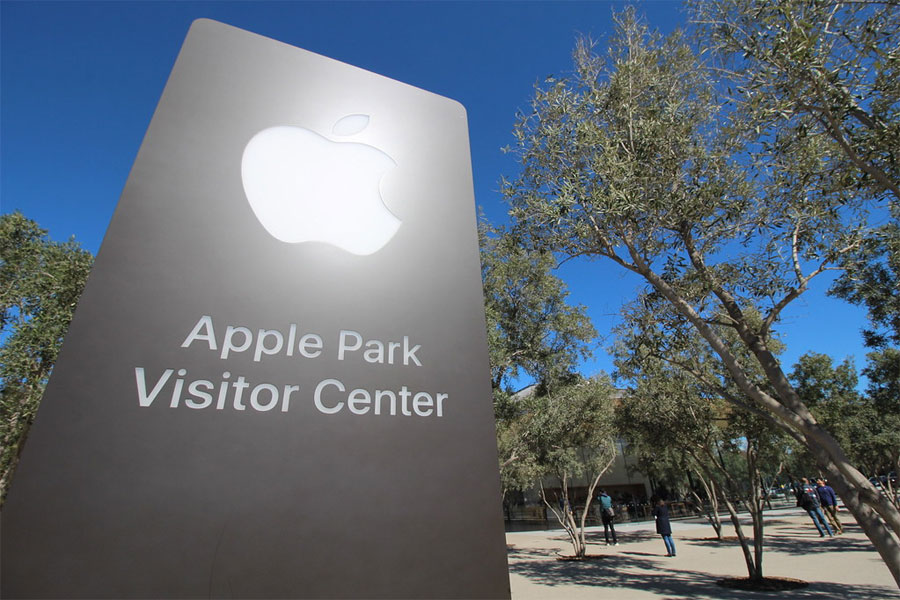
(608, 515)
(808, 500)
(828, 500)
(663, 527)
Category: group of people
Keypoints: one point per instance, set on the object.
(820, 502)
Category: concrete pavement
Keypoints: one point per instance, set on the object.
(845, 566)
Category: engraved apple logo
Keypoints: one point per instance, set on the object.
(304, 187)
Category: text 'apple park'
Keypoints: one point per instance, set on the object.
(329, 396)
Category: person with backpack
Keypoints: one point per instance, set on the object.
(608, 515)
(808, 500)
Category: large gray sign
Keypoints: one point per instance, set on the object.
(276, 383)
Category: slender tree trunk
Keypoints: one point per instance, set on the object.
(745, 546)
(753, 569)
(564, 516)
(590, 499)
(891, 490)
(712, 513)
(771, 484)
(756, 507)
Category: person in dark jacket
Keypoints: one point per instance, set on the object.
(828, 500)
(808, 500)
(608, 515)
(663, 528)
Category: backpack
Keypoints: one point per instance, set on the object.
(808, 498)
(606, 506)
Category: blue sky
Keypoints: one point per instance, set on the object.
(79, 82)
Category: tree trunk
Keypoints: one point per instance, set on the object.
(565, 517)
(875, 528)
(754, 569)
(756, 507)
(590, 498)
(745, 546)
(712, 513)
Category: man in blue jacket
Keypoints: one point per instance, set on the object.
(829, 504)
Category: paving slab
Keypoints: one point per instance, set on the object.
(845, 566)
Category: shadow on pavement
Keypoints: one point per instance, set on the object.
(615, 571)
(794, 540)
(596, 537)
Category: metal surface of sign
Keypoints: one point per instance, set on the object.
(276, 383)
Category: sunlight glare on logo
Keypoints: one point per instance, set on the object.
(304, 187)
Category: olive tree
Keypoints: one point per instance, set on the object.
(829, 72)
(627, 160)
(569, 433)
(665, 436)
(40, 283)
(684, 402)
(532, 330)
(532, 333)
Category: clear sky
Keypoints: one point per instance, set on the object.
(79, 82)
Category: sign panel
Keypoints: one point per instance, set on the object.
(276, 383)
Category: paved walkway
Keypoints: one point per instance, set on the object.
(845, 566)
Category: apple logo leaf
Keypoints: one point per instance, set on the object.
(350, 125)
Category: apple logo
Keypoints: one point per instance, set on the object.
(304, 187)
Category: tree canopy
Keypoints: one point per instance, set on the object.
(40, 283)
(532, 330)
(816, 70)
(570, 433)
